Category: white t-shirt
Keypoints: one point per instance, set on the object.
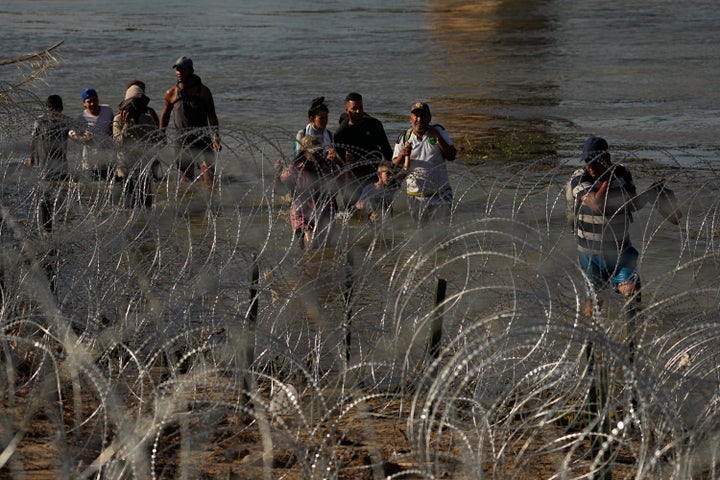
(100, 123)
(100, 127)
(427, 170)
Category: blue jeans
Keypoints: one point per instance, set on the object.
(602, 268)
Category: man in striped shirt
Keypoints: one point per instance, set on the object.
(605, 197)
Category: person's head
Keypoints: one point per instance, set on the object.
(136, 83)
(311, 148)
(385, 172)
(420, 117)
(354, 108)
(134, 91)
(318, 113)
(596, 156)
(91, 102)
(134, 104)
(183, 68)
(54, 103)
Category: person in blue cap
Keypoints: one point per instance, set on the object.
(606, 198)
(95, 132)
(196, 123)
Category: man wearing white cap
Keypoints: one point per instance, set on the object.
(422, 152)
(134, 129)
(195, 120)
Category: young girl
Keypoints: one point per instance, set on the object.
(313, 177)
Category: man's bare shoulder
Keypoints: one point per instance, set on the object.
(171, 93)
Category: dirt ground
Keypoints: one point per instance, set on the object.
(56, 427)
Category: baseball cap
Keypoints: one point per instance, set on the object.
(420, 106)
(89, 92)
(593, 148)
(183, 62)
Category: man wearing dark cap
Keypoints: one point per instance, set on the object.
(195, 122)
(605, 197)
(98, 117)
(422, 152)
(362, 143)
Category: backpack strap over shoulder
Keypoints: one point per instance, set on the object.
(404, 137)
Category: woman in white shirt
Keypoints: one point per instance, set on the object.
(317, 126)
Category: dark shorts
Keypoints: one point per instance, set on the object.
(189, 157)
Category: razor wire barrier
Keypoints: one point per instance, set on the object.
(194, 338)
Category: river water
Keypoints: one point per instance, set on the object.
(643, 74)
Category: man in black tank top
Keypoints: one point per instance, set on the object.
(195, 122)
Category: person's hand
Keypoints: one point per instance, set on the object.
(30, 161)
(161, 137)
(407, 149)
(349, 157)
(332, 156)
(86, 137)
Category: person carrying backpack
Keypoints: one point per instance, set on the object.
(422, 152)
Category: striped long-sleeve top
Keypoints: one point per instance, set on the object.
(604, 232)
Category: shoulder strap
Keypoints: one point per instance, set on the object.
(405, 136)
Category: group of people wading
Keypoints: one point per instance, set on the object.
(120, 146)
(358, 163)
(355, 164)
